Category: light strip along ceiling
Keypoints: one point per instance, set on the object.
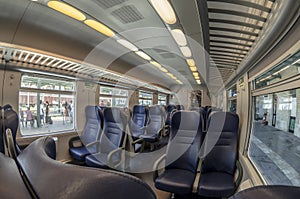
(77, 14)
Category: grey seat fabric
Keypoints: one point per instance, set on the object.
(52, 179)
(91, 133)
(155, 127)
(219, 164)
(11, 183)
(112, 138)
(8, 120)
(182, 156)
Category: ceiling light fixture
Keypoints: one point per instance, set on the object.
(143, 55)
(196, 74)
(66, 10)
(190, 62)
(180, 82)
(179, 37)
(99, 27)
(198, 81)
(186, 51)
(165, 10)
(127, 45)
(193, 68)
(163, 69)
(156, 64)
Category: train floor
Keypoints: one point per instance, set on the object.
(276, 154)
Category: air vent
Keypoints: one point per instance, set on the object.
(167, 55)
(105, 4)
(127, 14)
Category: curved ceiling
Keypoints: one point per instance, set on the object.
(33, 24)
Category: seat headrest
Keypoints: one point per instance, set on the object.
(186, 120)
(139, 109)
(92, 112)
(223, 121)
(156, 110)
(114, 115)
(170, 107)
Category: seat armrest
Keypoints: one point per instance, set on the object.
(110, 155)
(137, 141)
(240, 174)
(156, 165)
(140, 141)
(92, 143)
(72, 140)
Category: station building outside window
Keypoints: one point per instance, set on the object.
(162, 99)
(145, 98)
(275, 138)
(113, 97)
(46, 105)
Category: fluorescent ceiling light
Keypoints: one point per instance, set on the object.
(190, 62)
(193, 68)
(165, 10)
(154, 63)
(186, 51)
(197, 78)
(179, 37)
(198, 81)
(127, 44)
(66, 10)
(99, 27)
(195, 74)
(180, 82)
(143, 55)
(163, 69)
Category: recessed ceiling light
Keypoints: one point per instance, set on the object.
(66, 10)
(193, 68)
(198, 81)
(127, 44)
(154, 63)
(190, 62)
(143, 55)
(163, 69)
(196, 74)
(99, 27)
(165, 10)
(186, 51)
(179, 37)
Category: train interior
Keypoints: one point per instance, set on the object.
(150, 99)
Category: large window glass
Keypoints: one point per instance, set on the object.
(287, 68)
(114, 97)
(231, 99)
(145, 98)
(46, 105)
(162, 99)
(275, 138)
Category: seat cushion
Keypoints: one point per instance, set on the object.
(79, 153)
(98, 160)
(216, 184)
(176, 181)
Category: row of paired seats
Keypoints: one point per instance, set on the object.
(106, 133)
(213, 158)
(34, 172)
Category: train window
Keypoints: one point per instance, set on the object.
(231, 94)
(46, 105)
(287, 68)
(114, 97)
(145, 98)
(162, 99)
(275, 138)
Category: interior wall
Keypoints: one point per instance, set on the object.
(1, 86)
(133, 98)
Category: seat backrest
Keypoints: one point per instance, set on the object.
(185, 141)
(93, 125)
(179, 107)
(10, 121)
(114, 129)
(72, 181)
(156, 119)
(139, 118)
(221, 143)
(169, 110)
(203, 116)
